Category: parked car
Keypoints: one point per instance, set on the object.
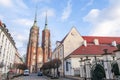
(26, 72)
(39, 73)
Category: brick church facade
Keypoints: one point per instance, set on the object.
(37, 55)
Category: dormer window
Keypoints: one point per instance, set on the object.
(114, 43)
(85, 43)
(96, 42)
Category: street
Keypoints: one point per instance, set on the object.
(31, 77)
(35, 77)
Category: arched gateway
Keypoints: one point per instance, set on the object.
(115, 68)
(97, 72)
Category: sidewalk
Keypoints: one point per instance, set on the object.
(73, 77)
(66, 78)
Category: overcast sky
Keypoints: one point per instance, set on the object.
(90, 17)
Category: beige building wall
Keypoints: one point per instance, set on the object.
(72, 42)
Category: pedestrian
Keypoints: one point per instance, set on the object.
(8, 75)
(58, 73)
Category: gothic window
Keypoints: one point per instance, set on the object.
(35, 37)
(2, 38)
(47, 43)
(34, 57)
(33, 62)
(34, 51)
(34, 44)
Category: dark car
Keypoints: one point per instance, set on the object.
(39, 73)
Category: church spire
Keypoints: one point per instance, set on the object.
(46, 21)
(35, 20)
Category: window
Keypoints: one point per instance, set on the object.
(67, 69)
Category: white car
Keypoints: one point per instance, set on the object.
(26, 72)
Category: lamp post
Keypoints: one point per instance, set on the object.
(63, 61)
(107, 64)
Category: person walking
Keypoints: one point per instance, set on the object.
(58, 73)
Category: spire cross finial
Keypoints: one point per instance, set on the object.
(46, 18)
(35, 20)
(36, 14)
(46, 21)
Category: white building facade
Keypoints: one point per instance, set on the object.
(7, 49)
(79, 54)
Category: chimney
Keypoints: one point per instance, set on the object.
(114, 43)
(96, 42)
(85, 43)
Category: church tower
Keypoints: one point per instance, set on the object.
(32, 48)
(46, 44)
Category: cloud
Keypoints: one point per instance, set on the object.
(1, 17)
(67, 11)
(105, 22)
(36, 1)
(92, 15)
(21, 4)
(13, 4)
(21, 37)
(20, 42)
(23, 22)
(88, 4)
(50, 13)
(23, 51)
(6, 3)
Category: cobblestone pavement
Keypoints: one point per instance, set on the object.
(35, 77)
(59, 79)
(31, 77)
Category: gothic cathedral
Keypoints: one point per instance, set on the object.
(36, 55)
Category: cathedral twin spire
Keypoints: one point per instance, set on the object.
(35, 20)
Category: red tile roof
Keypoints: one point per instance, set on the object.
(93, 50)
(102, 40)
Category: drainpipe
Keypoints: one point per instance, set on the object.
(63, 62)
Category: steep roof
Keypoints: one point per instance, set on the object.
(93, 50)
(73, 28)
(102, 40)
(64, 38)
